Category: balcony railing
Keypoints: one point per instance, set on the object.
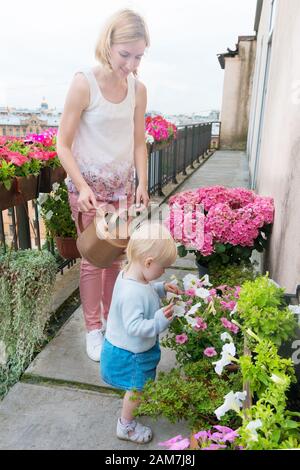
(165, 161)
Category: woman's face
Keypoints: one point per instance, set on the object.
(126, 57)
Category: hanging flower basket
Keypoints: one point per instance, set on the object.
(67, 247)
(49, 176)
(23, 188)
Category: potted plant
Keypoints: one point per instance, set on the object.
(58, 220)
(218, 223)
(159, 132)
(19, 173)
(43, 147)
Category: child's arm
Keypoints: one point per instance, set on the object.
(136, 325)
(163, 287)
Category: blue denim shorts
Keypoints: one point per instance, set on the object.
(126, 370)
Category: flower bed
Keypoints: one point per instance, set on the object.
(218, 223)
(215, 328)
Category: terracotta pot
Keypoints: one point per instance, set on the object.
(67, 247)
(49, 176)
(23, 189)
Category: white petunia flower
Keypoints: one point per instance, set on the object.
(49, 215)
(171, 295)
(43, 197)
(228, 352)
(191, 321)
(193, 309)
(190, 281)
(179, 310)
(202, 293)
(233, 401)
(225, 336)
(251, 427)
(205, 280)
(55, 186)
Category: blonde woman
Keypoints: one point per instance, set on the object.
(101, 142)
(131, 351)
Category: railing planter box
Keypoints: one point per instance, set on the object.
(23, 188)
(67, 247)
(49, 176)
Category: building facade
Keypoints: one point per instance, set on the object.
(20, 122)
(238, 78)
(273, 145)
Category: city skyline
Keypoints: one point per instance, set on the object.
(180, 69)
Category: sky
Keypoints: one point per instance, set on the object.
(44, 43)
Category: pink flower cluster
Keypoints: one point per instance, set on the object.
(200, 325)
(160, 129)
(207, 440)
(205, 216)
(229, 325)
(45, 138)
(20, 150)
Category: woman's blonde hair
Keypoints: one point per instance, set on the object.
(151, 239)
(123, 26)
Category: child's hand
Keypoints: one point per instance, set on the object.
(169, 287)
(169, 311)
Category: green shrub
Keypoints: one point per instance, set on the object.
(261, 308)
(27, 280)
(191, 393)
(231, 274)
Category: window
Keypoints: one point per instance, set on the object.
(4, 131)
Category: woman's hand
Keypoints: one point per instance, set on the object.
(141, 196)
(169, 287)
(86, 200)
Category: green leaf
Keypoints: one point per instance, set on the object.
(182, 251)
(220, 248)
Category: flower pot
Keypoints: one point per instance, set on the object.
(202, 270)
(23, 189)
(67, 247)
(49, 176)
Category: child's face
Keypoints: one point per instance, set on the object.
(126, 57)
(152, 269)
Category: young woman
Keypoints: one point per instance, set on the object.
(101, 143)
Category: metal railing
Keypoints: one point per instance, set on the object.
(165, 162)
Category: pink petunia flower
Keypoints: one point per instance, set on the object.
(181, 339)
(210, 352)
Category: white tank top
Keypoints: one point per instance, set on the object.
(103, 145)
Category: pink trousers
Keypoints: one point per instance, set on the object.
(96, 284)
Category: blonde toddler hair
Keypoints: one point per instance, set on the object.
(124, 26)
(151, 239)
